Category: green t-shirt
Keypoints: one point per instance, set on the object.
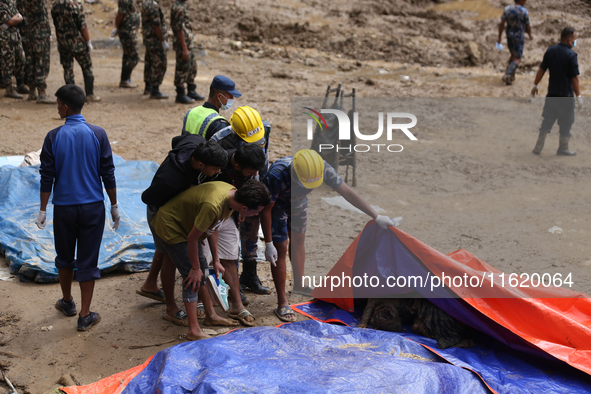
(205, 207)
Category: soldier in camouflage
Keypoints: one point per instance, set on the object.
(11, 48)
(186, 64)
(154, 33)
(39, 48)
(73, 42)
(127, 23)
(23, 27)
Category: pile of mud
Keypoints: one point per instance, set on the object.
(426, 32)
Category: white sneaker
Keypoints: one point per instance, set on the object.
(218, 291)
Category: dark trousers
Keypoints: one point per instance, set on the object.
(79, 226)
(561, 109)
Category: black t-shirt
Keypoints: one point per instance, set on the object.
(176, 174)
(563, 65)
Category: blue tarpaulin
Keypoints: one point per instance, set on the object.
(30, 251)
(505, 370)
(303, 357)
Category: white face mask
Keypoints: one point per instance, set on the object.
(228, 104)
(575, 43)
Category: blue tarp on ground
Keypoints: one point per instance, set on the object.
(504, 370)
(30, 252)
(303, 357)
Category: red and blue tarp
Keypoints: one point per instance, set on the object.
(539, 343)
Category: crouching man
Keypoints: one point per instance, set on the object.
(186, 220)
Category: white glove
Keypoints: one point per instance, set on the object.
(271, 253)
(113, 33)
(384, 221)
(534, 91)
(4, 26)
(90, 48)
(41, 219)
(580, 102)
(115, 216)
(165, 46)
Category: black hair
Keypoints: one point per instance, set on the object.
(213, 91)
(567, 32)
(253, 194)
(211, 154)
(250, 156)
(73, 96)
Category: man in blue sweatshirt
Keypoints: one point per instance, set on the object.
(74, 158)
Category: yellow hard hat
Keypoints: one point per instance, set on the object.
(309, 168)
(247, 123)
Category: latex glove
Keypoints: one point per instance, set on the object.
(115, 216)
(90, 48)
(384, 221)
(113, 33)
(534, 91)
(271, 253)
(165, 46)
(580, 102)
(4, 26)
(41, 219)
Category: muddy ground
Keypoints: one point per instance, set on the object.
(477, 188)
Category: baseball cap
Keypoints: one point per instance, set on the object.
(224, 83)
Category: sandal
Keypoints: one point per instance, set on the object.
(158, 296)
(180, 318)
(283, 312)
(241, 316)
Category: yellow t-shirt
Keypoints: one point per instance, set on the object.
(205, 206)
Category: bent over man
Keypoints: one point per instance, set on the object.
(290, 180)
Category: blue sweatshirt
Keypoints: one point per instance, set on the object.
(74, 158)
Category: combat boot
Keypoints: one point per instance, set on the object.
(32, 93)
(126, 79)
(127, 84)
(540, 143)
(11, 92)
(147, 90)
(89, 89)
(563, 147)
(249, 278)
(157, 94)
(43, 99)
(192, 93)
(181, 97)
(21, 87)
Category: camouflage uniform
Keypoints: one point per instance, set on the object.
(127, 32)
(11, 48)
(23, 28)
(155, 60)
(517, 19)
(68, 19)
(186, 70)
(39, 38)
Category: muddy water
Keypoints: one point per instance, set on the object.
(482, 9)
